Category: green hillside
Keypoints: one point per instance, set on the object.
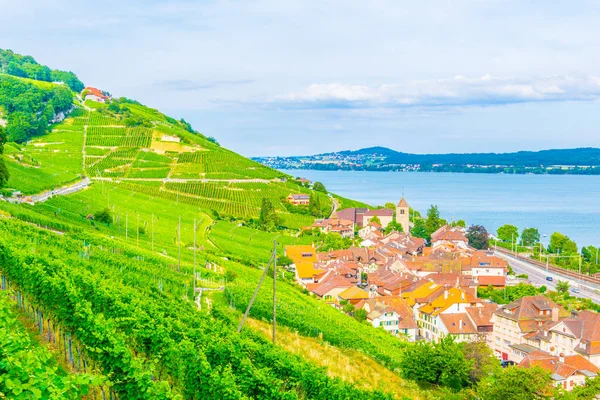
(102, 276)
(118, 293)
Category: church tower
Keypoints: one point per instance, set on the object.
(402, 215)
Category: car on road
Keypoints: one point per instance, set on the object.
(549, 279)
(575, 290)
(506, 363)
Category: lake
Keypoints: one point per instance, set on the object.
(552, 203)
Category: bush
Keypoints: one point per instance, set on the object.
(104, 216)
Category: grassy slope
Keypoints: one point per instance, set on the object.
(59, 163)
(347, 364)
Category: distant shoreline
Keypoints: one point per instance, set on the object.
(590, 171)
(579, 161)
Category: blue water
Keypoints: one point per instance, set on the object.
(566, 204)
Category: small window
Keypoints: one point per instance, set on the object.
(402, 211)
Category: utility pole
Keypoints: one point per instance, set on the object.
(274, 289)
(179, 245)
(262, 278)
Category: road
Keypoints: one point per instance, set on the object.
(48, 194)
(537, 276)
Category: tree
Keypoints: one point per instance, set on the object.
(591, 254)
(484, 361)
(562, 244)
(478, 237)
(319, 187)
(268, 219)
(375, 219)
(393, 226)
(4, 174)
(587, 391)
(360, 315)
(104, 216)
(530, 236)
(334, 241)
(517, 384)
(508, 233)
(442, 363)
(460, 222)
(562, 287)
(230, 276)
(348, 308)
(419, 229)
(433, 221)
(390, 206)
(284, 261)
(314, 205)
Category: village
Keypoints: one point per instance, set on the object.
(427, 291)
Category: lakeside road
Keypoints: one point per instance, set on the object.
(537, 276)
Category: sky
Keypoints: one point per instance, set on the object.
(271, 77)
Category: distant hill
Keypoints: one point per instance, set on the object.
(575, 161)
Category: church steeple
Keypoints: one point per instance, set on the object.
(402, 215)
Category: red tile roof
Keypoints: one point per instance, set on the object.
(96, 92)
(491, 280)
(458, 324)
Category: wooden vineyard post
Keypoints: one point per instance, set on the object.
(194, 279)
(274, 289)
(152, 232)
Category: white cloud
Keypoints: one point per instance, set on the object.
(457, 91)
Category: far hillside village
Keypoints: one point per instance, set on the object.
(429, 290)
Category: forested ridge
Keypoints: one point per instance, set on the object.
(15, 64)
(29, 108)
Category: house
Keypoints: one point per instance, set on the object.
(513, 321)
(485, 269)
(451, 301)
(170, 138)
(301, 253)
(344, 227)
(306, 272)
(368, 230)
(458, 325)
(352, 214)
(353, 295)
(566, 371)
(384, 215)
(299, 199)
(94, 94)
(304, 181)
(392, 314)
(402, 241)
(578, 334)
(304, 258)
(449, 235)
(330, 287)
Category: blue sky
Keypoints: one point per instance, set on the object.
(290, 78)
